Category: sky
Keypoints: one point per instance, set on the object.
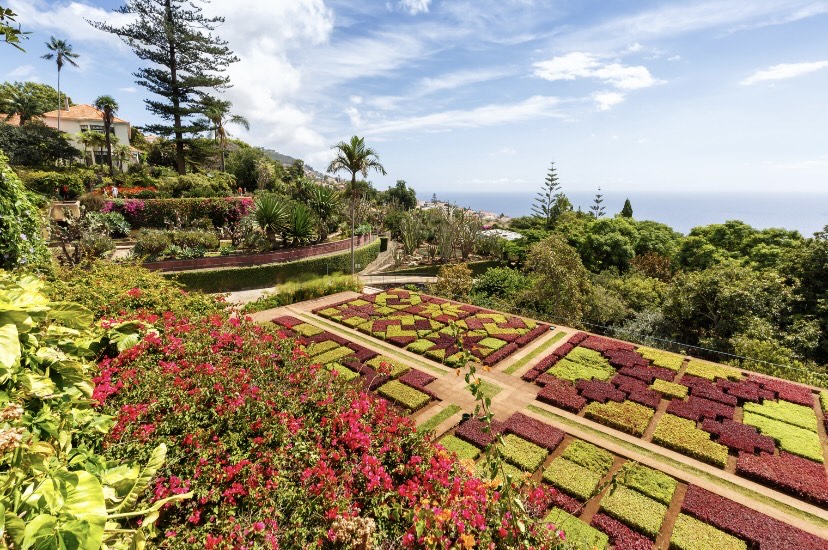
(482, 95)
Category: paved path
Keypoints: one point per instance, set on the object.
(396, 279)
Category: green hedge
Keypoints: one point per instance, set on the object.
(403, 395)
(589, 456)
(692, 534)
(652, 483)
(670, 389)
(639, 512)
(463, 450)
(572, 478)
(263, 276)
(583, 364)
(793, 439)
(525, 455)
(682, 435)
(786, 411)
(628, 416)
(661, 358)
(578, 533)
(711, 371)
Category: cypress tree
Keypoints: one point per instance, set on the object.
(627, 211)
(544, 207)
(596, 209)
(186, 62)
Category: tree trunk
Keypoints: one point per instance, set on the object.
(176, 98)
(107, 126)
(353, 196)
(60, 104)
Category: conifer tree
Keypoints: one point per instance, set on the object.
(627, 211)
(186, 61)
(596, 209)
(548, 202)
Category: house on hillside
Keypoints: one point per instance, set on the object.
(79, 119)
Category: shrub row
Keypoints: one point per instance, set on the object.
(561, 393)
(525, 455)
(582, 364)
(478, 433)
(652, 483)
(161, 213)
(711, 371)
(534, 431)
(572, 478)
(785, 390)
(739, 436)
(701, 387)
(293, 292)
(670, 390)
(798, 415)
(798, 441)
(662, 358)
(697, 408)
(576, 530)
(800, 476)
(404, 395)
(262, 276)
(692, 534)
(682, 435)
(754, 527)
(464, 451)
(621, 536)
(628, 416)
(598, 390)
(639, 512)
(589, 456)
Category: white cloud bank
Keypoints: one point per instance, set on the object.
(784, 71)
(415, 6)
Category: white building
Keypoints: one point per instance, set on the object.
(79, 119)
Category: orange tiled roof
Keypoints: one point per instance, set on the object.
(80, 112)
(13, 120)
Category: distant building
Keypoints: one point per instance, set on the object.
(502, 233)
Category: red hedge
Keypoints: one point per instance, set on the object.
(800, 476)
(534, 430)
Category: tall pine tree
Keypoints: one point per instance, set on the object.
(627, 211)
(544, 207)
(596, 209)
(187, 62)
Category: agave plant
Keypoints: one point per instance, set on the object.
(300, 225)
(326, 203)
(271, 215)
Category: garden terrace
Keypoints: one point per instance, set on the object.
(434, 327)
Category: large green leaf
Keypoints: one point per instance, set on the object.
(37, 384)
(9, 345)
(71, 315)
(84, 500)
(40, 533)
(15, 527)
(159, 454)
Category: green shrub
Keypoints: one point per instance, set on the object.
(96, 245)
(628, 416)
(681, 434)
(194, 239)
(21, 238)
(151, 243)
(670, 389)
(292, 292)
(197, 185)
(307, 330)
(114, 223)
(404, 395)
(484, 472)
(420, 346)
(344, 372)
(525, 455)
(92, 202)
(582, 364)
(578, 533)
(317, 348)
(50, 182)
(572, 478)
(798, 415)
(438, 418)
(589, 456)
(661, 358)
(692, 534)
(396, 369)
(793, 439)
(711, 371)
(262, 276)
(652, 483)
(464, 451)
(639, 512)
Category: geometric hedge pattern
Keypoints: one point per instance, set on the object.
(433, 327)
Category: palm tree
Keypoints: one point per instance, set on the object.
(109, 107)
(218, 116)
(122, 154)
(354, 157)
(61, 52)
(96, 139)
(87, 139)
(21, 104)
(325, 203)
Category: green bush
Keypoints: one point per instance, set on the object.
(344, 372)
(151, 243)
(50, 182)
(92, 202)
(652, 483)
(464, 451)
(639, 512)
(692, 534)
(589, 456)
(572, 478)
(798, 415)
(578, 533)
(197, 185)
(793, 439)
(628, 416)
(582, 364)
(404, 395)
(22, 243)
(395, 368)
(670, 389)
(96, 245)
(262, 276)
(292, 292)
(661, 358)
(194, 239)
(525, 455)
(681, 434)
(114, 223)
(711, 371)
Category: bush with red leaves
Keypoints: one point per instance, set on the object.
(788, 391)
(477, 433)
(701, 387)
(739, 436)
(534, 430)
(563, 394)
(598, 390)
(697, 408)
(621, 536)
(790, 473)
(648, 374)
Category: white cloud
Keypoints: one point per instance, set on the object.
(586, 65)
(607, 100)
(24, 72)
(784, 71)
(128, 89)
(354, 116)
(415, 6)
(355, 99)
(70, 19)
(489, 115)
(508, 151)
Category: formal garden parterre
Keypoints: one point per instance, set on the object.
(710, 412)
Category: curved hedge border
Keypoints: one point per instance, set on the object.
(263, 276)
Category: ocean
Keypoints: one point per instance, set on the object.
(805, 212)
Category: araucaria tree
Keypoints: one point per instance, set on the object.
(544, 207)
(356, 158)
(596, 209)
(187, 61)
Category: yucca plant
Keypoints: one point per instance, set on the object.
(271, 215)
(300, 225)
(326, 203)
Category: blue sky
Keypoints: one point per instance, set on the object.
(481, 95)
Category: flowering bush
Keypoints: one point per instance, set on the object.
(160, 213)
